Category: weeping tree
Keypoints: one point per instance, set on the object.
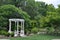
(10, 11)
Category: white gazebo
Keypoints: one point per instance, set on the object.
(16, 32)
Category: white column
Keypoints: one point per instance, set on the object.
(22, 29)
(17, 27)
(9, 26)
(23, 25)
(15, 33)
(15, 24)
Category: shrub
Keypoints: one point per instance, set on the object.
(27, 32)
(2, 32)
(34, 30)
(50, 30)
(5, 33)
(11, 34)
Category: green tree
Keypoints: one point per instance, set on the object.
(51, 8)
(51, 21)
(10, 11)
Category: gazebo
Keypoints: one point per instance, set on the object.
(16, 32)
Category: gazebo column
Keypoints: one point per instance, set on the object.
(16, 30)
(22, 29)
(21, 25)
(9, 26)
(17, 27)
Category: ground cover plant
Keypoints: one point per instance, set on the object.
(37, 37)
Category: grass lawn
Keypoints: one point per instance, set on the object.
(37, 37)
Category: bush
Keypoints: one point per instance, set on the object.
(5, 33)
(2, 32)
(27, 32)
(11, 34)
(34, 30)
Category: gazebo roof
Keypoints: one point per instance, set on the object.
(16, 19)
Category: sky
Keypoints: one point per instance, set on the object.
(54, 2)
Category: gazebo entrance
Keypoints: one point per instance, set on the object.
(17, 32)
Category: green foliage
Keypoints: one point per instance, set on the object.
(50, 30)
(51, 8)
(10, 11)
(37, 37)
(2, 32)
(35, 14)
(34, 30)
(51, 20)
(10, 34)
